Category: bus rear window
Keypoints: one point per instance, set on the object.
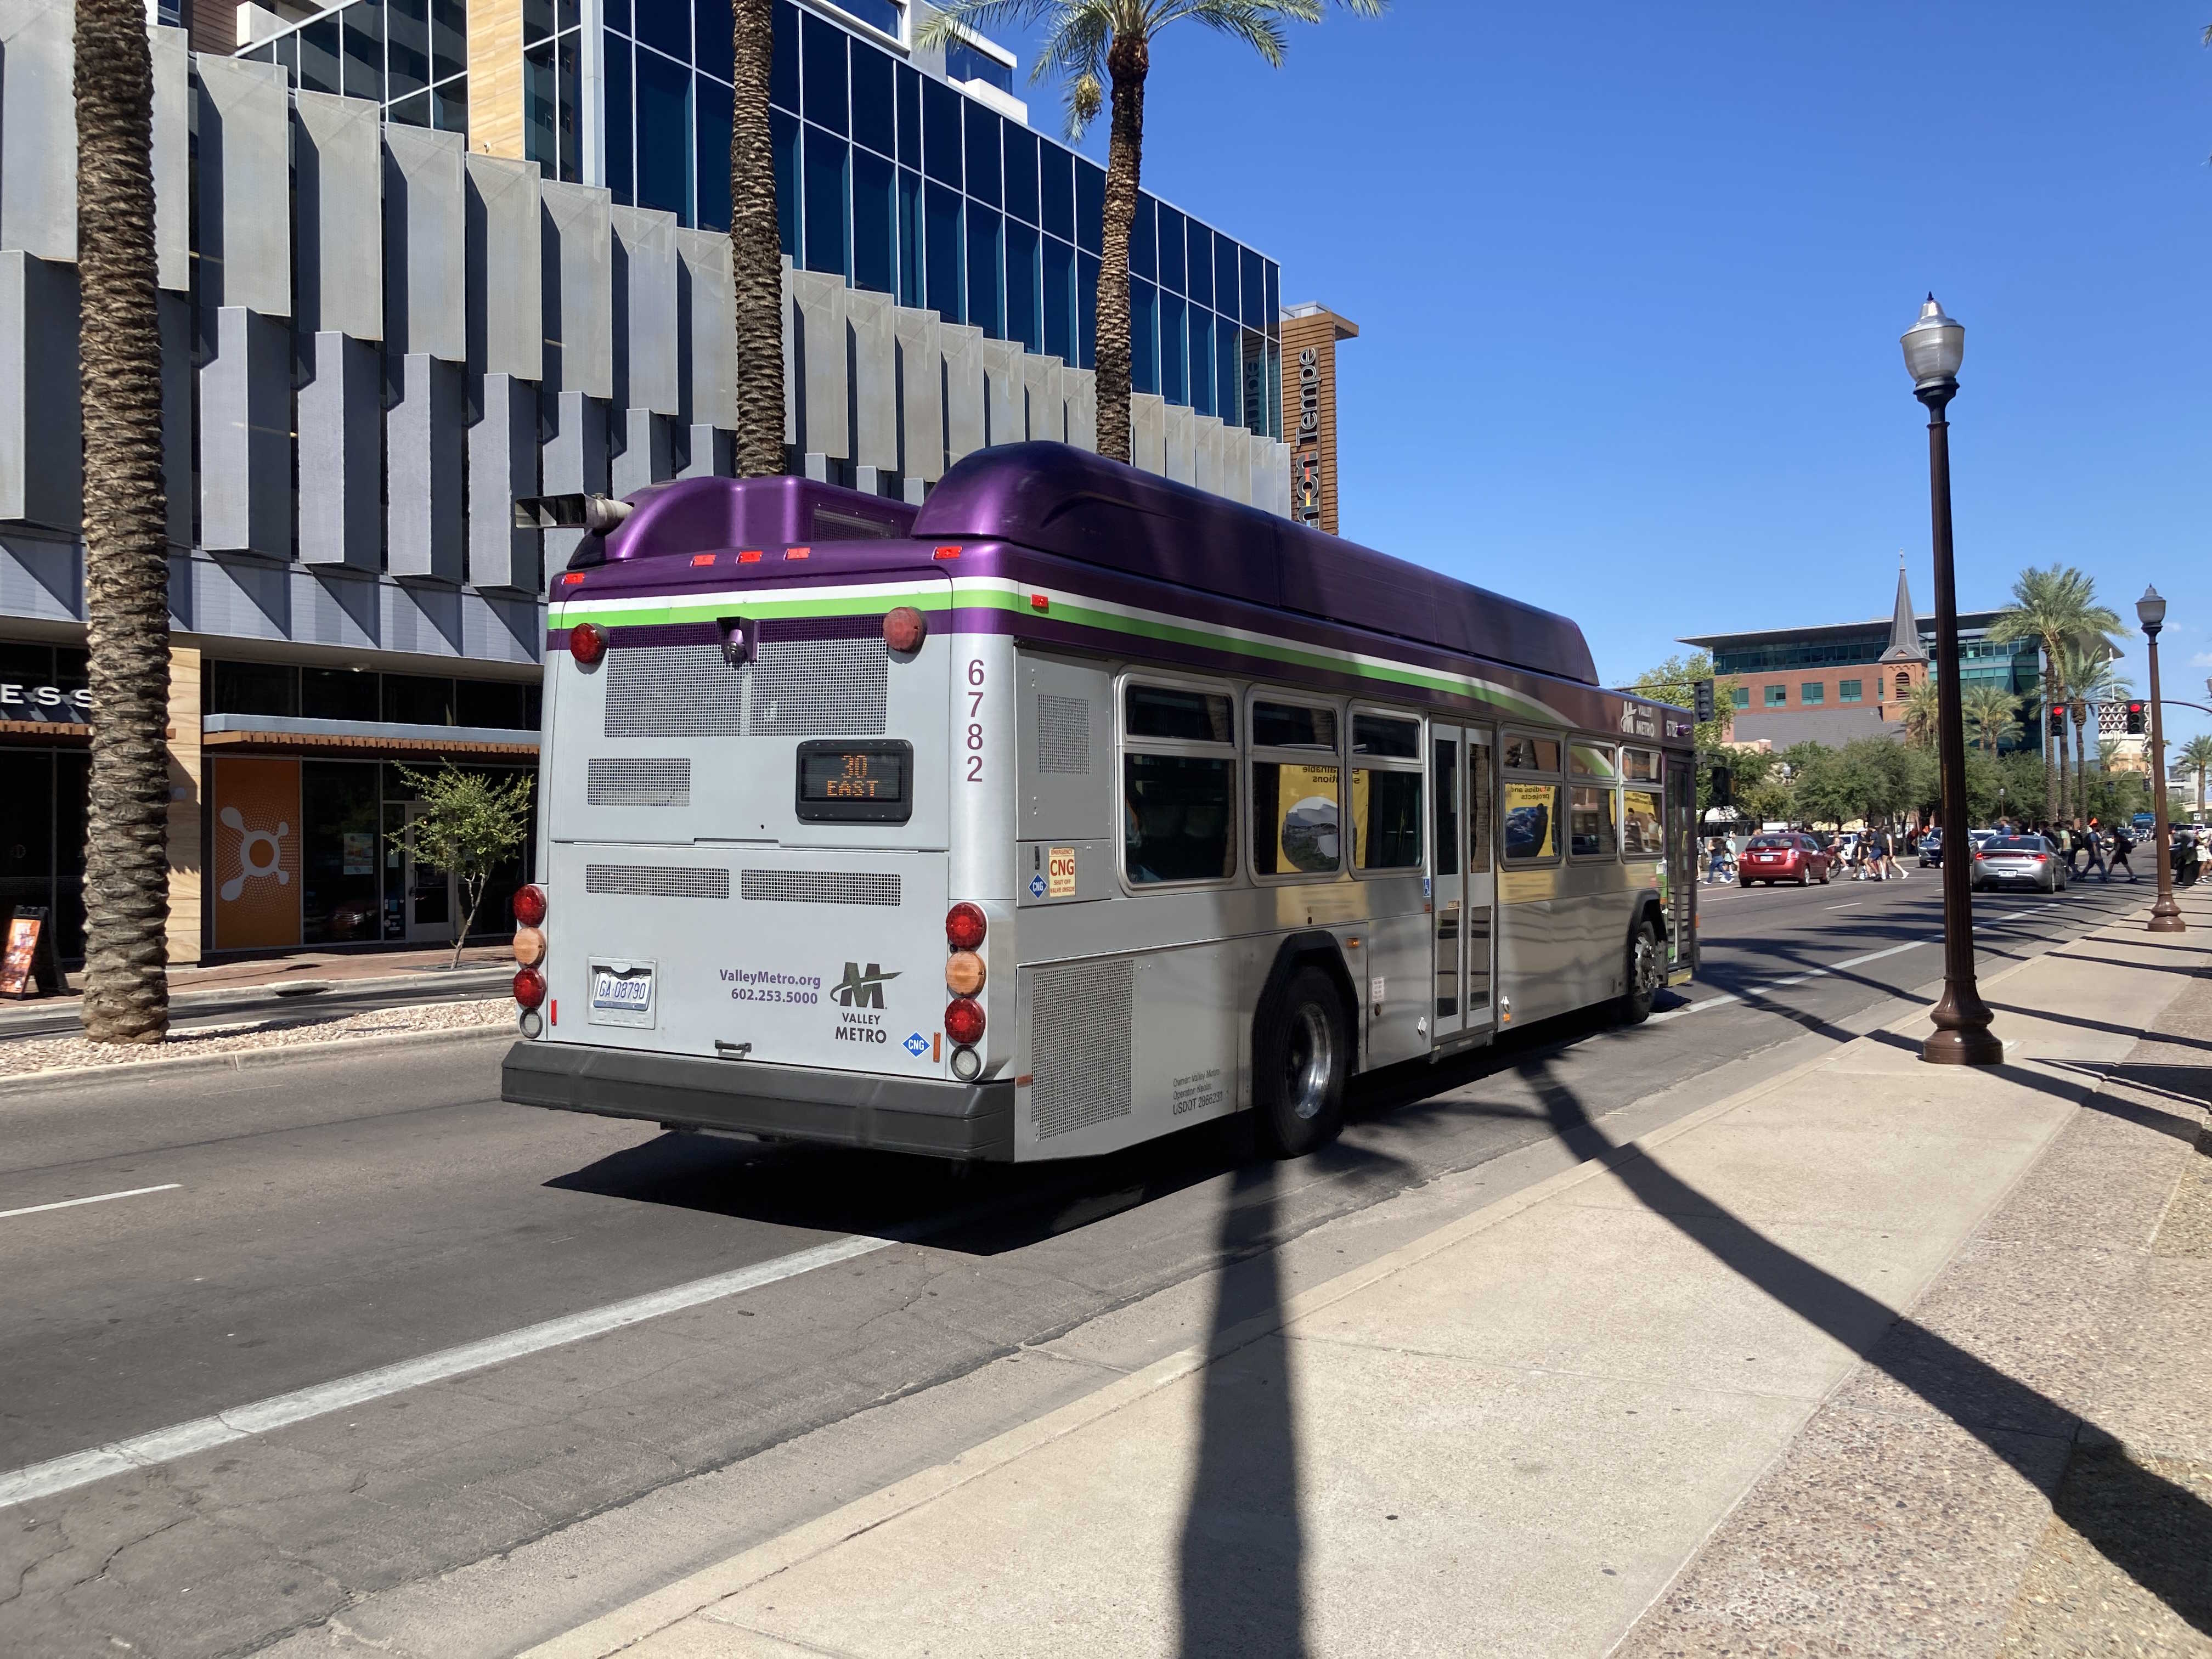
(842, 782)
(1179, 716)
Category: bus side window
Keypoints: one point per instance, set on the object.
(1178, 801)
(1386, 799)
(1445, 752)
(1480, 813)
(1297, 809)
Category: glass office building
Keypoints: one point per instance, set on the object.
(899, 179)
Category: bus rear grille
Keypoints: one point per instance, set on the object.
(673, 692)
(637, 782)
(1080, 1015)
(656, 881)
(802, 687)
(818, 887)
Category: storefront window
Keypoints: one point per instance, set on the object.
(339, 903)
(415, 700)
(337, 693)
(252, 688)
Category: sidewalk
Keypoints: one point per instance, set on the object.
(1662, 1402)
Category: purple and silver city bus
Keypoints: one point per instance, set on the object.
(1074, 807)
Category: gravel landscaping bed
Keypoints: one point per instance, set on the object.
(276, 1031)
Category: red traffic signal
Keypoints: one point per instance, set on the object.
(2135, 719)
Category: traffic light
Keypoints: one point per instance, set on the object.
(2134, 719)
(2058, 722)
(1705, 699)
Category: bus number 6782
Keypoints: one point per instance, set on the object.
(975, 723)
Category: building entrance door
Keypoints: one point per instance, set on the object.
(433, 898)
(1463, 894)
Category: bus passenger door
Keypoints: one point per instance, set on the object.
(1460, 760)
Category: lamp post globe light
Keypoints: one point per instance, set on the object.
(2164, 914)
(1934, 346)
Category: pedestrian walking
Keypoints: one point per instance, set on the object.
(2123, 842)
(1889, 866)
(1715, 860)
(2091, 838)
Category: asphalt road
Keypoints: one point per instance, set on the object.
(311, 1223)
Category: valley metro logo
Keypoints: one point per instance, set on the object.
(859, 990)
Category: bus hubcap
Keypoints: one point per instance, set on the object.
(1647, 965)
(1312, 1061)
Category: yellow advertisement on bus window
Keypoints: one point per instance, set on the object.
(1532, 814)
(1307, 833)
(1640, 833)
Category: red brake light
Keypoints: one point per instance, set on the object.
(963, 1021)
(587, 643)
(530, 905)
(965, 926)
(944, 552)
(905, 628)
(530, 987)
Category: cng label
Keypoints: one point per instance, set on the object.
(1060, 865)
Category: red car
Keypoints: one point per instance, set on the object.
(1782, 857)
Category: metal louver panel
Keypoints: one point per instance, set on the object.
(672, 691)
(820, 687)
(1080, 1016)
(608, 782)
(656, 881)
(1063, 736)
(818, 887)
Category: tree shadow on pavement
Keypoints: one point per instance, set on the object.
(2023, 1427)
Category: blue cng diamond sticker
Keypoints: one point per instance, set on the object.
(917, 1045)
(1036, 886)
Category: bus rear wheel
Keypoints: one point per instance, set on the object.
(1647, 971)
(1301, 1056)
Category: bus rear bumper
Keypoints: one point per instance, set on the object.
(930, 1116)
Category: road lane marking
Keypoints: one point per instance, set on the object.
(97, 1198)
(1795, 979)
(262, 1416)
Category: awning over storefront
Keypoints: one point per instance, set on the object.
(61, 732)
(269, 734)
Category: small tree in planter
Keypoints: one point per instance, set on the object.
(470, 825)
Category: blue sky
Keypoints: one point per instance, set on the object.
(1629, 280)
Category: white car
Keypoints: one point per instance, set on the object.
(2025, 860)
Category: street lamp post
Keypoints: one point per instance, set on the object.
(2166, 914)
(1934, 348)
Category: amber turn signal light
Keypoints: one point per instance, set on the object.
(905, 628)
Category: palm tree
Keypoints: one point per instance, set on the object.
(126, 553)
(756, 249)
(1991, 715)
(2090, 676)
(2194, 760)
(1092, 43)
(2052, 607)
(1920, 711)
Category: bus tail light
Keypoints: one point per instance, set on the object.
(965, 926)
(964, 973)
(905, 628)
(963, 1021)
(587, 643)
(530, 905)
(529, 946)
(530, 989)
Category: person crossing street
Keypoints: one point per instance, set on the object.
(2123, 842)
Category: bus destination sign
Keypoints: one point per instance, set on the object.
(848, 783)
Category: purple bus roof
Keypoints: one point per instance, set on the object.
(1064, 500)
(700, 516)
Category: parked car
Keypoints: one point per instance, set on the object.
(1782, 857)
(2019, 859)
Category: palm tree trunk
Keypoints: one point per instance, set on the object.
(2081, 762)
(1128, 62)
(2051, 800)
(126, 553)
(756, 253)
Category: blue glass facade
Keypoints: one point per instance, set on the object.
(891, 178)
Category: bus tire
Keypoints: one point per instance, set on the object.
(1301, 1056)
(1647, 971)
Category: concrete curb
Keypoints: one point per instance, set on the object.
(77, 1077)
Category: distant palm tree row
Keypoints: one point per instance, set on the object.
(2058, 609)
(1101, 49)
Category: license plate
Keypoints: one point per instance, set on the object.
(621, 995)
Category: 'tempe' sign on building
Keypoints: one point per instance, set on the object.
(1309, 335)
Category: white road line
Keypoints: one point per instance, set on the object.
(1797, 979)
(242, 1422)
(97, 1198)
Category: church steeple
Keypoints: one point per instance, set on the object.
(1903, 627)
